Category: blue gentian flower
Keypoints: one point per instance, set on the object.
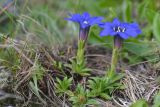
(122, 29)
(85, 21)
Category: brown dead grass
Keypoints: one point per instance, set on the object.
(140, 80)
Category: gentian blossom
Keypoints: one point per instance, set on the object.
(120, 30)
(85, 21)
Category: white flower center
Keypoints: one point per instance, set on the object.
(123, 29)
(119, 29)
(85, 22)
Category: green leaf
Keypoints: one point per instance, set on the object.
(157, 100)
(105, 96)
(96, 38)
(116, 77)
(63, 85)
(127, 10)
(139, 49)
(150, 14)
(36, 90)
(79, 98)
(140, 103)
(86, 69)
(156, 26)
(70, 93)
(92, 102)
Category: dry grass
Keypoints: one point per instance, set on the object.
(139, 85)
(140, 80)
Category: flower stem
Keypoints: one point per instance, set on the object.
(114, 61)
(115, 54)
(80, 52)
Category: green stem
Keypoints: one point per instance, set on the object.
(115, 53)
(114, 62)
(80, 52)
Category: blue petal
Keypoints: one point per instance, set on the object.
(123, 35)
(95, 20)
(106, 32)
(135, 26)
(85, 15)
(131, 32)
(107, 29)
(124, 25)
(74, 17)
(82, 25)
(113, 33)
(104, 25)
(116, 22)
